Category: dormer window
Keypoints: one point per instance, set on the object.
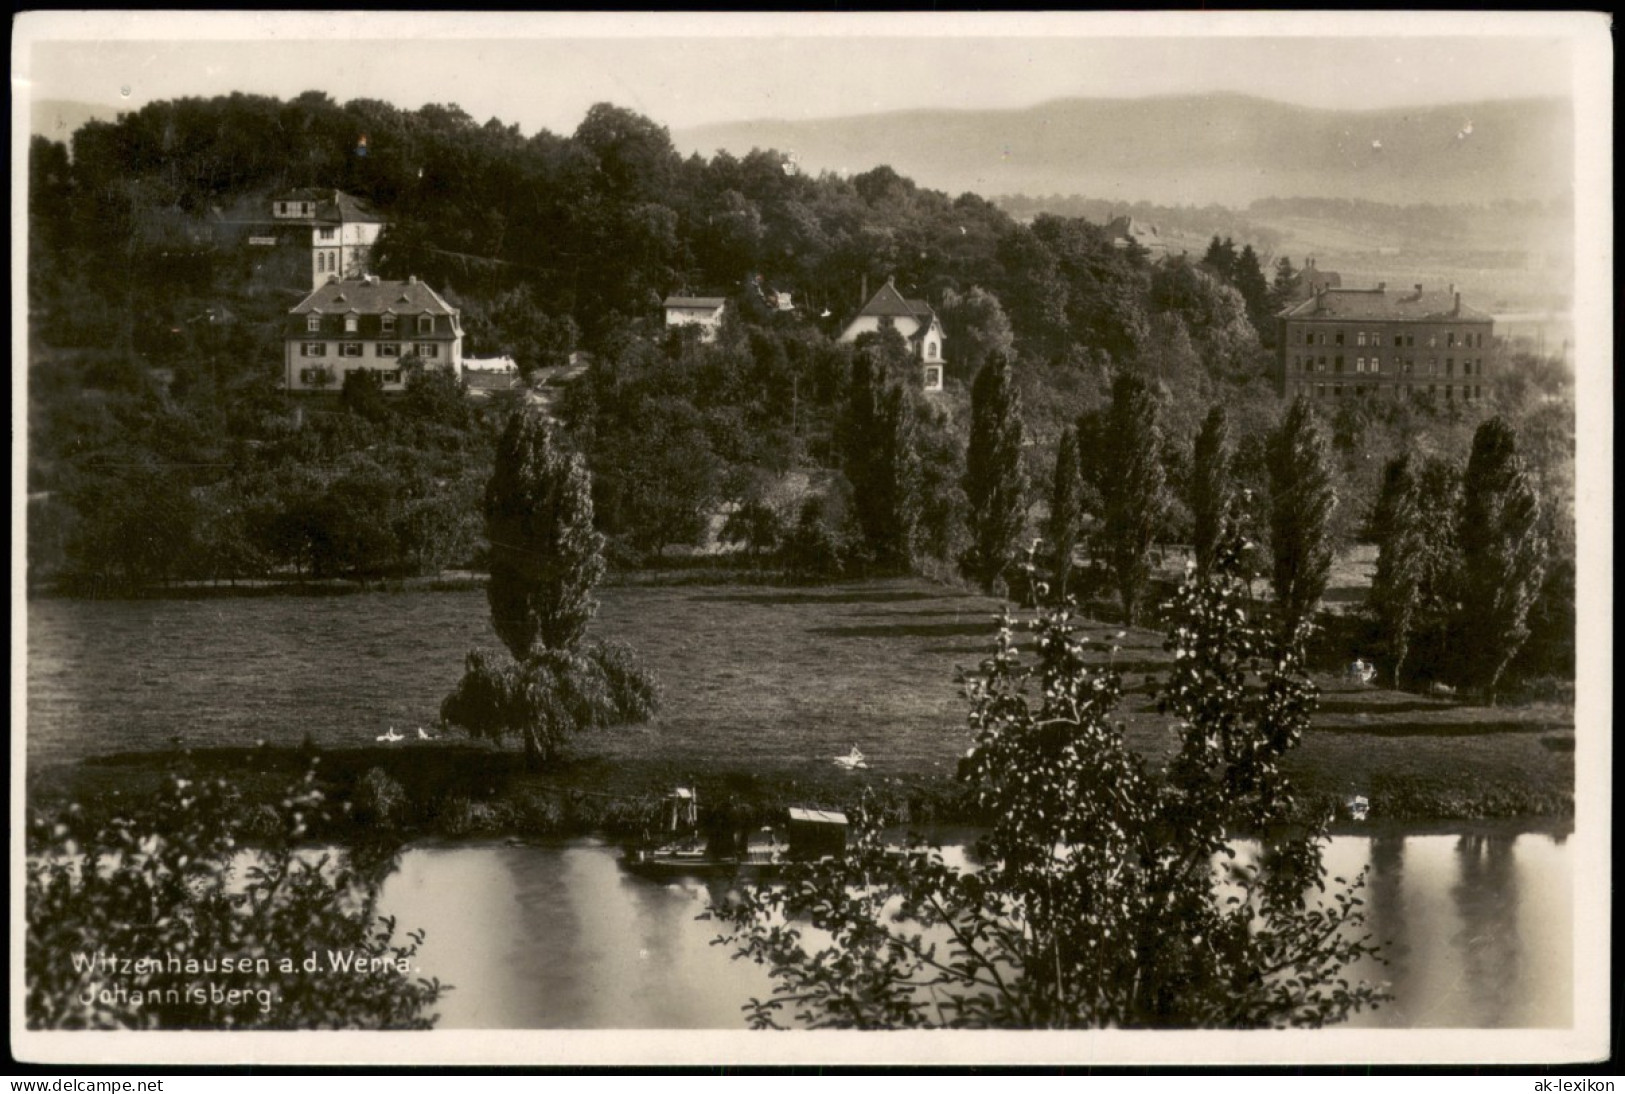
(313, 323)
(388, 324)
(350, 324)
(425, 324)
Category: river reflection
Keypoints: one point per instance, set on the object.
(556, 937)
(1479, 934)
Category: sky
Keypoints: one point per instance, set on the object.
(544, 71)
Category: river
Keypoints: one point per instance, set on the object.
(1478, 933)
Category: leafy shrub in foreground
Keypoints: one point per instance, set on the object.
(167, 921)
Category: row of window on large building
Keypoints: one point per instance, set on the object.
(1469, 392)
(1465, 339)
(1404, 366)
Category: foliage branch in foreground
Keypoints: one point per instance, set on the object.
(199, 880)
(1107, 893)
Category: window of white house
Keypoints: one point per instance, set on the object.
(389, 349)
(1450, 339)
(314, 349)
(349, 349)
(931, 351)
(313, 376)
(886, 322)
(282, 208)
(1376, 338)
(388, 324)
(1433, 341)
(933, 377)
(425, 324)
(328, 233)
(314, 322)
(1360, 338)
(393, 376)
(305, 209)
(427, 350)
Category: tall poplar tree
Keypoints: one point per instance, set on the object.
(1210, 487)
(995, 481)
(1503, 555)
(1064, 524)
(1402, 552)
(1301, 504)
(546, 557)
(881, 461)
(1134, 493)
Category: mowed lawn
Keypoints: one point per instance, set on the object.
(779, 682)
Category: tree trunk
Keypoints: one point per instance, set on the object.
(533, 750)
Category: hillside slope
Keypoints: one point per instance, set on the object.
(1230, 149)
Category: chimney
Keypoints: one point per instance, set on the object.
(1382, 286)
(413, 280)
(1452, 289)
(864, 290)
(1457, 310)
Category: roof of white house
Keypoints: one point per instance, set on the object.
(888, 301)
(709, 303)
(333, 206)
(370, 296)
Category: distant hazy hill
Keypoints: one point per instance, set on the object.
(1229, 149)
(58, 118)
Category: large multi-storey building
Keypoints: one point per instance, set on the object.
(366, 323)
(1355, 343)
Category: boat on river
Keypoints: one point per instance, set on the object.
(683, 849)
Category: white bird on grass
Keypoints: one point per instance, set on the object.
(391, 736)
(423, 735)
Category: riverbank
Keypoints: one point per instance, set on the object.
(466, 790)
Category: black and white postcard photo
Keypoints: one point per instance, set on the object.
(811, 539)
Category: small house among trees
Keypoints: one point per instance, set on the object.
(704, 312)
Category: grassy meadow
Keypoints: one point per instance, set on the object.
(765, 685)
